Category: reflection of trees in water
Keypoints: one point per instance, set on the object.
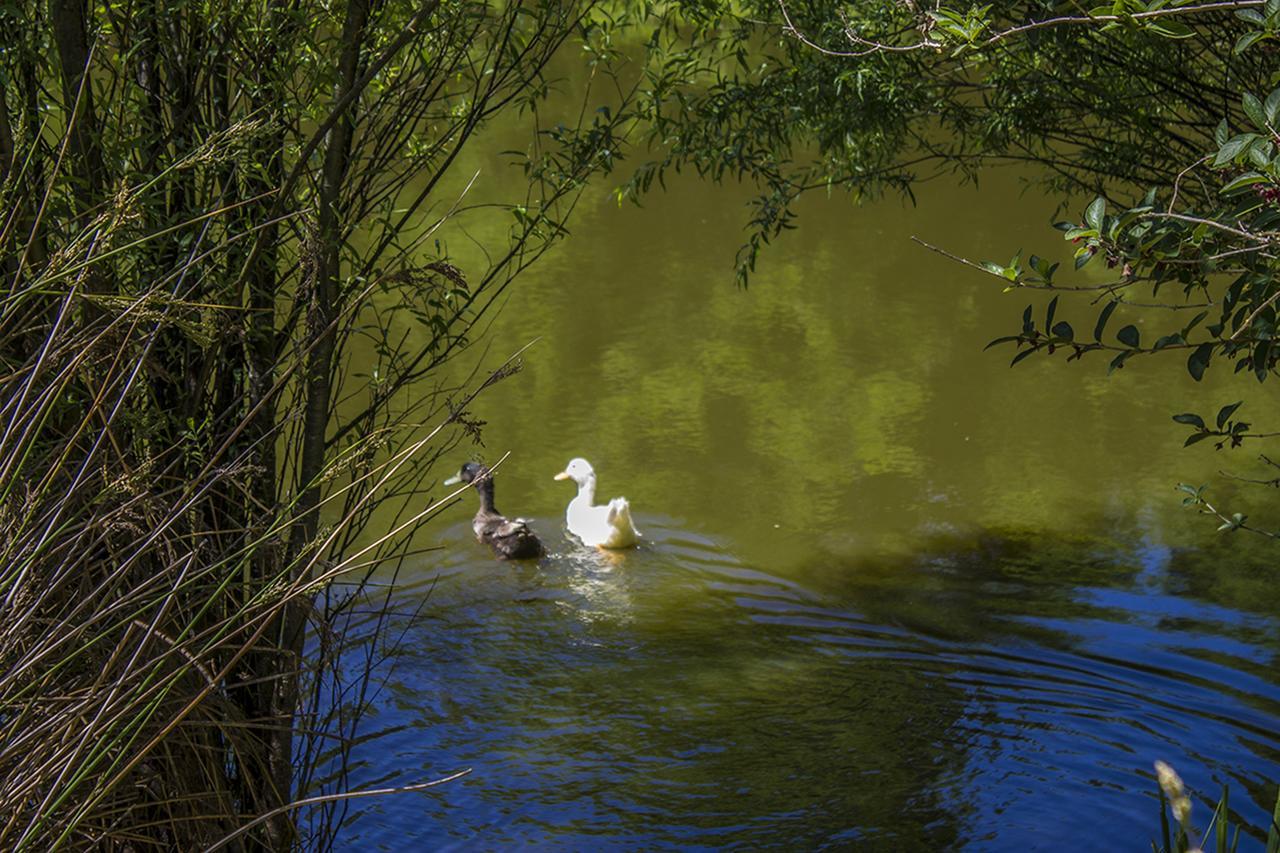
(1088, 657)
(989, 585)
(846, 390)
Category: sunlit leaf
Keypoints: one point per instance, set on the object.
(1271, 107)
(1221, 133)
(1094, 213)
(1248, 179)
(1169, 28)
(1253, 109)
(1232, 148)
(1247, 40)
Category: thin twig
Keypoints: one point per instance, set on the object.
(330, 798)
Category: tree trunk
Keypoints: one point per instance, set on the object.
(322, 314)
(70, 33)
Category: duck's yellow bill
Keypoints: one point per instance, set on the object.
(563, 475)
(452, 481)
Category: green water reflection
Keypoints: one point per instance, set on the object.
(893, 591)
(841, 405)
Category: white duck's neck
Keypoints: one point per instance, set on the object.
(587, 490)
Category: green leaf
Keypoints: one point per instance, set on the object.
(1118, 362)
(1232, 148)
(1248, 179)
(1221, 133)
(1093, 214)
(1129, 336)
(1261, 357)
(1170, 29)
(1272, 106)
(1064, 330)
(1236, 521)
(1049, 312)
(1273, 834)
(993, 268)
(1253, 109)
(1101, 325)
(1168, 341)
(1002, 340)
(1199, 360)
(1221, 814)
(1190, 419)
(1226, 411)
(1195, 437)
(1246, 41)
(1020, 356)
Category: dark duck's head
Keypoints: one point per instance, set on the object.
(471, 472)
(481, 479)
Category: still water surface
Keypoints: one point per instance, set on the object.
(891, 593)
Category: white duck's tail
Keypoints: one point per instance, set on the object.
(624, 533)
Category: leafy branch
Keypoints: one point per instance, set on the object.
(1230, 523)
(975, 28)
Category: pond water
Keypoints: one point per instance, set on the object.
(891, 592)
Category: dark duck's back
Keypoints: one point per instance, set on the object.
(510, 539)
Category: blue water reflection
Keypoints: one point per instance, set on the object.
(673, 697)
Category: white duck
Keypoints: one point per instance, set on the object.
(606, 526)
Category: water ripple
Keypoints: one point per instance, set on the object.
(673, 697)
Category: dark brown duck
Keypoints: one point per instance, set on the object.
(510, 539)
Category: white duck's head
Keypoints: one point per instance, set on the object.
(579, 470)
